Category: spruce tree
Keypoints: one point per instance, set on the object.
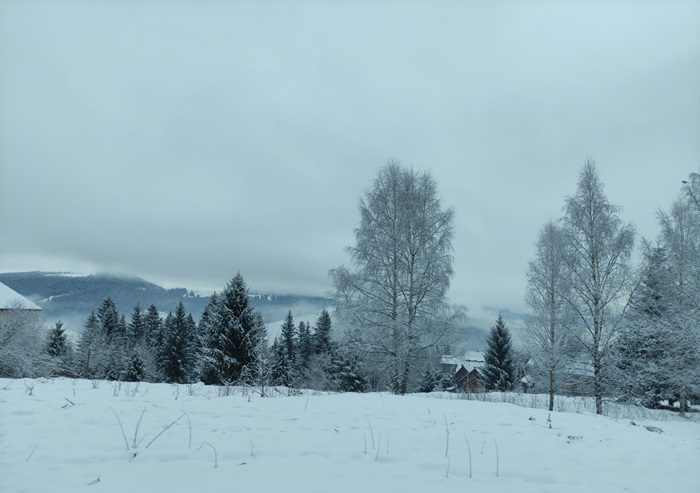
(322, 334)
(136, 371)
(177, 353)
(233, 336)
(109, 318)
(348, 373)
(153, 328)
(113, 329)
(499, 371)
(136, 327)
(429, 381)
(305, 345)
(644, 353)
(152, 344)
(206, 332)
(289, 338)
(93, 349)
(59, 348)
(57, 343)
(282, 373)
(258, 373)
(286, 361)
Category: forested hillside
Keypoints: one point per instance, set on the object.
(70, 298)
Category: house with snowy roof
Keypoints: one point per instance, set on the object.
(465, 370)
(11, 302)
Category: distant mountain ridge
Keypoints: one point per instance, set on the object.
(70, 297)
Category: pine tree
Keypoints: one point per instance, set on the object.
(287, 357)
(114, 332)
(644, 353)
(177, 353)
(206, 333)
(59, 348)
(680, 235)
(234, 332)
(317, 370)
(109, 318)
(306, 348)
(136, 327)
(282, 373)
(259, 373)
(136, 371)
(348, 374)
(57, 343)
(289, 338)
(154, 333)
(498, 370)
(93, 349)
(429, 381)
(153, 328)
(322, 334)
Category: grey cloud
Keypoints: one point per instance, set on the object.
(186, 141)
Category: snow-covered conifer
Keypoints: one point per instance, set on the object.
(498, 370)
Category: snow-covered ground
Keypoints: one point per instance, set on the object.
(65, 436)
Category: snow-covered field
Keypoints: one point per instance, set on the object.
(64, 436)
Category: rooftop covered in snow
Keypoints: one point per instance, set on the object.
(11, 299)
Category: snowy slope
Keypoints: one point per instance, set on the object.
(63, 436)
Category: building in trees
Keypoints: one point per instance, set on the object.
(22, 336)
(401, 267)
(498, 372)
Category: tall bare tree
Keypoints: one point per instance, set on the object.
(547, 335)
(597, 255)
(401, 271)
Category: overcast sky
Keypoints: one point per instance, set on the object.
(184, 141)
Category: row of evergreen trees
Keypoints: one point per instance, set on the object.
(228, 346)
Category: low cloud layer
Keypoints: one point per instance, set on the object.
(186, 141)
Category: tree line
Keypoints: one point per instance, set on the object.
(598, 325)
(229, 346)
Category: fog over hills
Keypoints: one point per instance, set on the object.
(71, 297)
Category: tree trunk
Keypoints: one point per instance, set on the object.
(551, 389)
(597, 384)
(682, 392)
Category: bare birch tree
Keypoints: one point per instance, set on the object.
(547, 334)
(396, 289)
(598, 250)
